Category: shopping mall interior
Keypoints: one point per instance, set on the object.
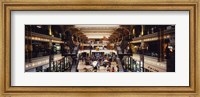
(99, 48)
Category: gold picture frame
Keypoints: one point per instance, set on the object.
(162, 5)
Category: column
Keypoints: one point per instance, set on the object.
(160, 45)
(51, 57)
(29, 41)
(142, 48)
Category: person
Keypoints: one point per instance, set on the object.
(87, 62)
(125, 68)
(95, 67)
(117, 67)
(113, 69)
(100, 62)
(167, 51)
(104, 64)
(108, 68)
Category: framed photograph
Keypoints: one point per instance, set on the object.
(100, 48)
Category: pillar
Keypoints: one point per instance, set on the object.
(160, 45)
(29, 41)
(142, 48)
(51, 57)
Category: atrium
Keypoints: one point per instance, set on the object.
(99, 48)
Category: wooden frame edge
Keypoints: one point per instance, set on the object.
(9, 90)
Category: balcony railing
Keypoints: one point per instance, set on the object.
(44, 38)
(152, 63)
